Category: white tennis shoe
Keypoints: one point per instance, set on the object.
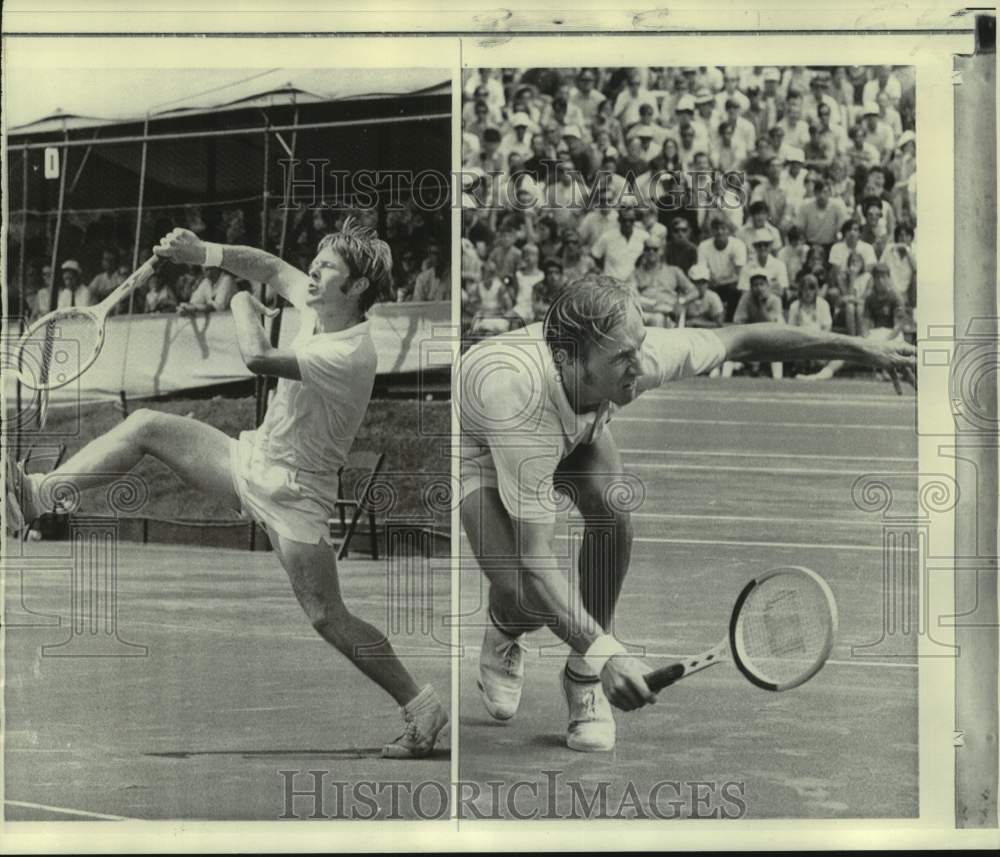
(591, 724)
(501, 672)
(424, 718)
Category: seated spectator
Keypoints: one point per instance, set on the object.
(810, 311)
(548, 288)
(160, 295)
(405, 276)
(820, 218)
(706, 309)
(545, 235)
(43, 297)
(762, 262)
(496, 305)
(758, 221)
(724, 256)
(566, 195)
(841, 185)
(853, 292)
(654, 229)
(728, 153)
(902, 264)
(575, 262)
(877, 183)
(74, 292)
(850, 243)
(505, 257)
(873, 229)
(617, 250)
(661, 288)
(527, 277)
(108, 279)
(213, 293)
(434, 281)
(757, 305)
(883, 317)
(793, 254)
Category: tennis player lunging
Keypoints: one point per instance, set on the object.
(535, 404)
(284, 474)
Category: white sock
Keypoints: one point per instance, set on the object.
(579, 669)
(425, 699)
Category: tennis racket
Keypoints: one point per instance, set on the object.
(62, 345)
(781, 632)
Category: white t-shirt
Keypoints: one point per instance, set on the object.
(517, 423)
(840, 253)
(311, 424)
(618, 253)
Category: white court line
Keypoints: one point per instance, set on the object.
(753, 454)
(832, 662)
(731, 468)
(775, 399)
(768, 424)
(64, 811)
(751, 519)
(659, 540)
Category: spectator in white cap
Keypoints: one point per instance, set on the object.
(904, 171)
(681, 111)
(704, 120)
(627, 104)
(486, 79)
(661, 288)
(770, 94)
(744, 131)
(762, 262)
(585, 96)
(74, 292)
(879, 134)
(793, 180)
(705, 309)
(518, 138)
(818, 95)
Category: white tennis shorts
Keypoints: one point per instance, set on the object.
(296, 504)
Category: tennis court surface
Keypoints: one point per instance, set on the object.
(218, 685)
(740, 476)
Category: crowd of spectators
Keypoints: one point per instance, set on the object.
(720, 195)
(86, 277)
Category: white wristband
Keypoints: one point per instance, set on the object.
(213, 255)
(603, 648)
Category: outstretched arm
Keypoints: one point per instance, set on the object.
(247, 263)
(549, 591)
(772, 342)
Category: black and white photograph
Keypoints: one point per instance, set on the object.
(222, 439)
(688, 379)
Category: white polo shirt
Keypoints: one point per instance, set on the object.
(516, 420)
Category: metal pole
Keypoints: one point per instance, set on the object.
(235, 132)
(138, 211)
(54, 290)
(974, 388)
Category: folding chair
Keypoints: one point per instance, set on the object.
(364, 467)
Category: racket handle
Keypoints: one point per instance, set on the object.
(664, 677)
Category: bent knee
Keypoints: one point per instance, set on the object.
(611, 499)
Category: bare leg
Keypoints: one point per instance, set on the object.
(494, 543)
(312, 570)
(196, 452)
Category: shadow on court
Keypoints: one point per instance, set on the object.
(233, 687)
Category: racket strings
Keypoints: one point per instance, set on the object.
(59, 350)
(783, 629)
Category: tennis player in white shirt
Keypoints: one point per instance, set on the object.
(534, 409)
(284, 474)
